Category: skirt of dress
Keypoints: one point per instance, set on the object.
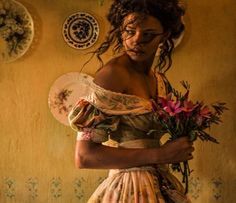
(139, 185)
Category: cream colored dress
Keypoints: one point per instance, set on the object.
(128, 121)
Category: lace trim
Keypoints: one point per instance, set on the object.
(114, 102)
(117, 103)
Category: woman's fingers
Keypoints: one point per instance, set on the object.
(179, 150)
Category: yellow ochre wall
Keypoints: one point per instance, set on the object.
(37, 152)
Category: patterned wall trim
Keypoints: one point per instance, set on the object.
(32, 187)
(217, 187)
(195, 186)
(56, 187)
(79, 184)
(78, 188)
(9, 187)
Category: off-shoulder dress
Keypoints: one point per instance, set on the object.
(128, 121)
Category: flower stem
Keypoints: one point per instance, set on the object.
(186, 174)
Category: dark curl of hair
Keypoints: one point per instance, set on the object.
(168, 12)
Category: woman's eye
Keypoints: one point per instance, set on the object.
(149, 34)
(130, 32)
(148, 37)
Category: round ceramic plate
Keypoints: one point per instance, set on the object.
(64, 94)
(16, 30)
(80, 30)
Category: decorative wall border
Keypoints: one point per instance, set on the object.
(56, 187)
(196, 185)
(32, 185)
(78, 188)
(217, 187)
(9, 187)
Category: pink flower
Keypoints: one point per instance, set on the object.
(164, 100)
(205, 112)
(172, 107)
(189, 106)
(203, 115)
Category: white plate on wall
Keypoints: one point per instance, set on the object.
(64, 93)
(80, 30)
(16, 30)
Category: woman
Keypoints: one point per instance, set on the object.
(121, 103)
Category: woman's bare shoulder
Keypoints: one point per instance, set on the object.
(113, 76)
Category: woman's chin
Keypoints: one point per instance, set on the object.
(139, 57)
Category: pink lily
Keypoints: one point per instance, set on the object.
(173, 108)
(164, 100)
(189, 106)
(205, 112)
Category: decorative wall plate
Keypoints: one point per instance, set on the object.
(16, 30)
(80, 30)
(64, 93)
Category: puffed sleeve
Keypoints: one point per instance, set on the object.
(91, 123)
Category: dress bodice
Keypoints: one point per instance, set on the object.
(104, 114)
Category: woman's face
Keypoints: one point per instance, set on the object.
(141, 36)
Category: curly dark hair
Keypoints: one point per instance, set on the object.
(168, 12)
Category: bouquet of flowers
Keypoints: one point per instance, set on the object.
(180, 116)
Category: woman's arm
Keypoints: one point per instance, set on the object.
(92, 155)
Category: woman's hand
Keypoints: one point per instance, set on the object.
(178, 150)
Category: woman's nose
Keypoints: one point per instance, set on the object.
(137, 38)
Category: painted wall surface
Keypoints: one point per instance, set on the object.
(37, 152)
